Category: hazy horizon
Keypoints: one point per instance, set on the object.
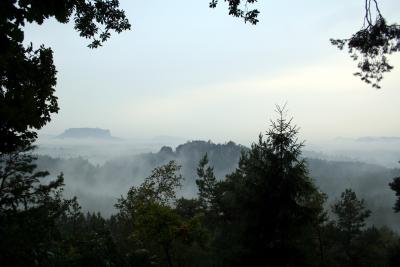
(199, 133)
(187, 70)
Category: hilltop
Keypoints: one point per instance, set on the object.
(86, 133)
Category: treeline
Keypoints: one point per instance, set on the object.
(267, 212)
(98, 186)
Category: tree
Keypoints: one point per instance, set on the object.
(85, 240)
(236, 10)
(395, 186)
(206, 183)
(149, 210)
(377, 247)
(370, 45)
(28, 75)
(351, 215)
(268, 202)
(29, 210)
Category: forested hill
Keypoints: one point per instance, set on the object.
(98, 186)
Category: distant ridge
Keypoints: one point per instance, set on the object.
(86, 133)
(378, 139)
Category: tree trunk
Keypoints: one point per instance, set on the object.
(168, 255)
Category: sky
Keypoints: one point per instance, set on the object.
(190, 71)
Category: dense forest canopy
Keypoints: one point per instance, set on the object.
(332, 176)
(271, 202)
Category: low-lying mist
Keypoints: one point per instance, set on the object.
(98, 184)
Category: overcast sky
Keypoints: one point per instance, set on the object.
(190, 71)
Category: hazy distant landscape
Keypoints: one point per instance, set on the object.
(90, 144)
(212, 133)
(98, 171)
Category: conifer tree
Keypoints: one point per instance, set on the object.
(351, 214)
(29, 210)
(270, 199)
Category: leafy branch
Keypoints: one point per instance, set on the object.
(371, 45)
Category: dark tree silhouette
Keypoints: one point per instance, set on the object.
(370, 46)
(28, 75)
(395, 186)
(29, 210)
(149, 210)
(351, 214)
(206, 183)
(269, 201)
(239, 9)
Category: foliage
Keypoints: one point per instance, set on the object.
(28, 75)
(20, 187)
(267, 211)
(206, 183)
(266, 204)
(159, 187)
(27, 82)
(148, 211)
(371, 45)
(351, 213)
(395, 186)
(85, 240)
(236, 10)
(375, 245)
(371, 247)
(93, 19)
(29, 210)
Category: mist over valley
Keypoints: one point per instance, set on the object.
(98, 172)
(207, 133)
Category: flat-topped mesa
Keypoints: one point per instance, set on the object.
(83, 133)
